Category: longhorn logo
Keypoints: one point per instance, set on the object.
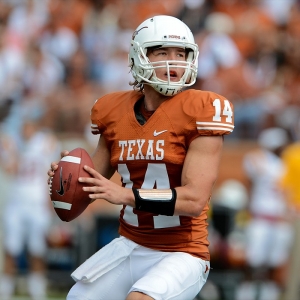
(137, 31)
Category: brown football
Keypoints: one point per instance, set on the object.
(68, 198)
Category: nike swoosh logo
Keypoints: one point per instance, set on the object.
(156, 133)
(61, 188)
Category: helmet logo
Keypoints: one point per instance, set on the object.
(135, 33)
(174, 36)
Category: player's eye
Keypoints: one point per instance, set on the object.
(160, 53)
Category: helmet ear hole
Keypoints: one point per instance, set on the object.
(130, 63)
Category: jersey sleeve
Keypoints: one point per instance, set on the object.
(213, 114)
(97, 126)
(105, 111)
(109, 109)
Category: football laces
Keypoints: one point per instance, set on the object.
(50, 186)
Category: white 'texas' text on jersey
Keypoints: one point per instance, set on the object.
(141, 149)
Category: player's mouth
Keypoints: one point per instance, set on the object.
(173, 75)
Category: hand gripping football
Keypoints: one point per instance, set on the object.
(66, 193)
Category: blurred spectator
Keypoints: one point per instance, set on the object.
(278, 10)
(11, 65)
(269, 233)
(228, 202)
(26, 215)
(134, 12)
(5, 107)
(217, 49)
(69, 13)
(61, 42)
(194, 12)
(97, 37)
(43, 72)
(118, 61)
(68, 106)
(5, 11)
(26, 21)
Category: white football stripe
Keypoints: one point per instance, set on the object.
(214, 128)
(62, 205)
(71, 159)
(214, 124)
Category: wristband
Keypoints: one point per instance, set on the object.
(161, 202)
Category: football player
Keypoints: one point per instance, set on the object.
(268, 234)
(165, 140)
(26, 214)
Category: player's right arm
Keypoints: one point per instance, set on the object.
(101, 159)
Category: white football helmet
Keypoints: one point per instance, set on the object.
(164, 31)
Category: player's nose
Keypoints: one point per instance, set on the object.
(172, 55)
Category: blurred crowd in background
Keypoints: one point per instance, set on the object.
(57, 57)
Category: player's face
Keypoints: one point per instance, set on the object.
(168, 54)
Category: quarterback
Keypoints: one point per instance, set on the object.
(165, 140)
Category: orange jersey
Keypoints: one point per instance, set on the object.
(151, 156)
